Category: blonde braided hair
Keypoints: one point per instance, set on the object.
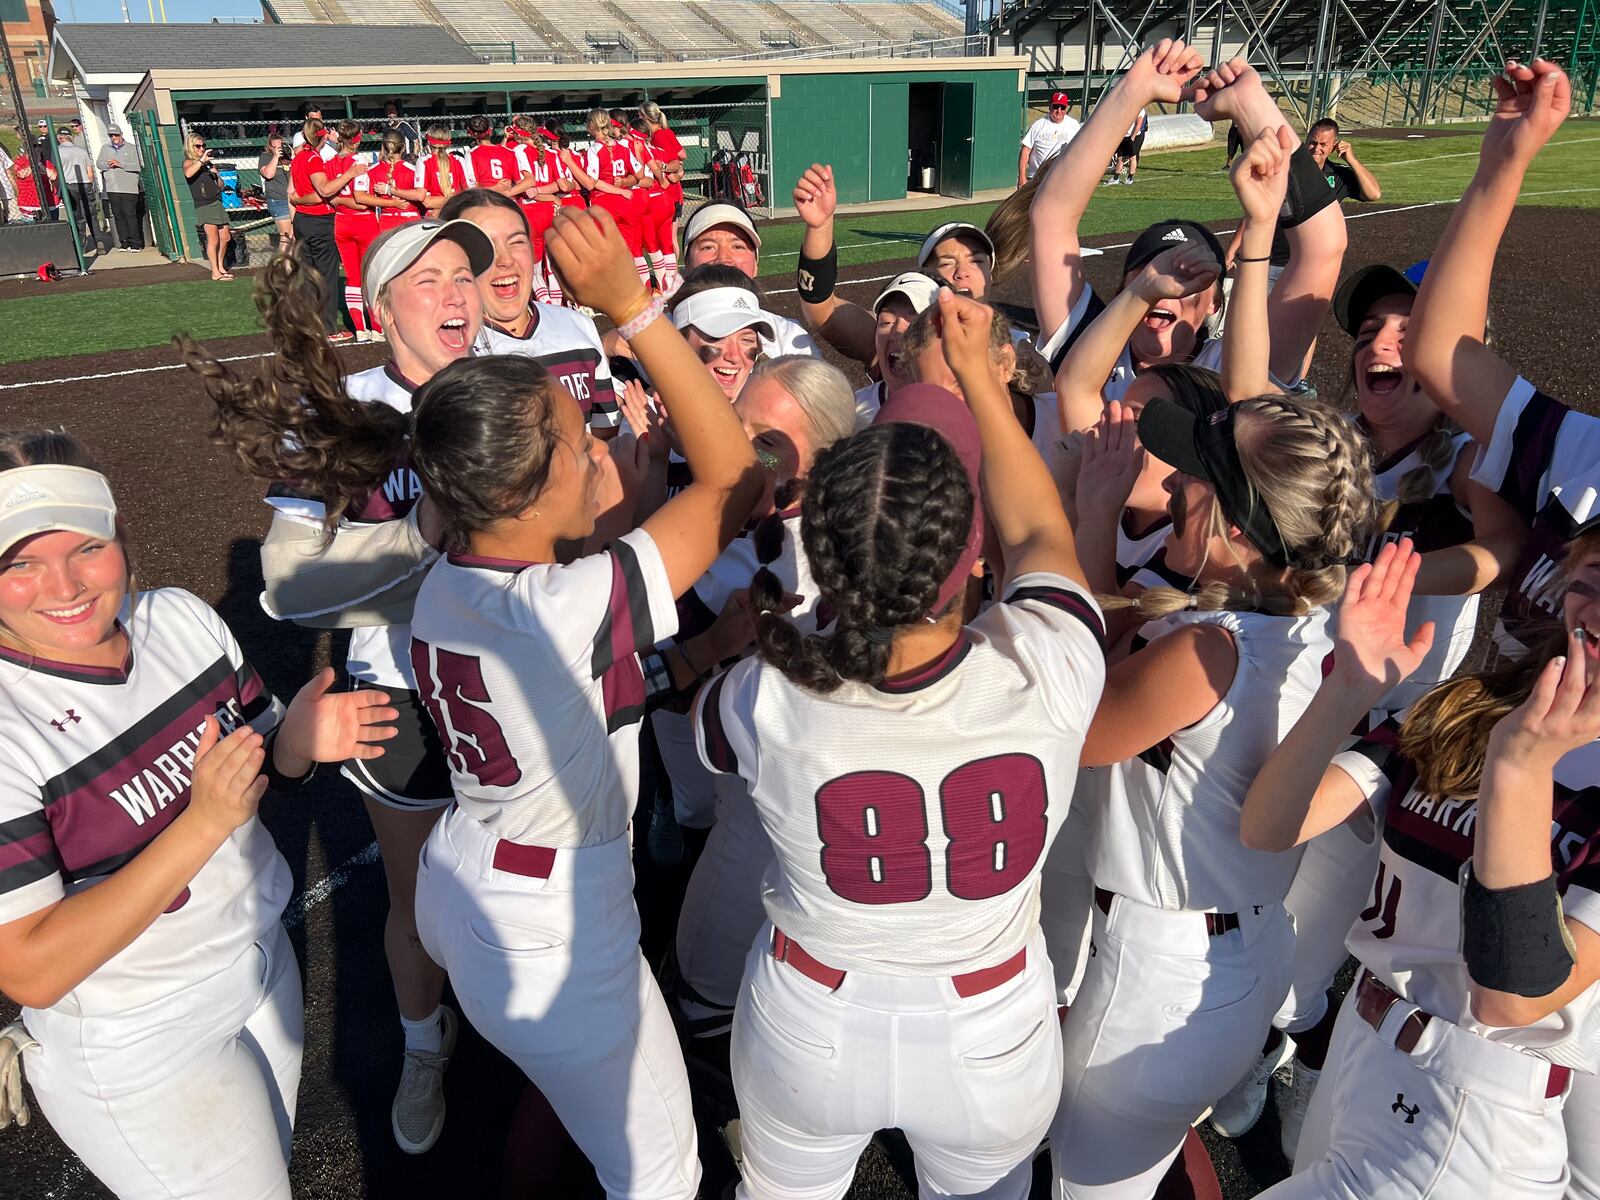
(1311, 469)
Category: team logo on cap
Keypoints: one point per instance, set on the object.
(1174, 235)
(24, 493)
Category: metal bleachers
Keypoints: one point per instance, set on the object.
(390, 12)
(487, 21)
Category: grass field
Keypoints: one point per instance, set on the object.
(1182, 183)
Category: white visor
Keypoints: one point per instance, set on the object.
(952, 229)
(921, 292)
(48, 498)
(708, 216)
(718, 312)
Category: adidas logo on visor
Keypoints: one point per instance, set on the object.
(24, 493)
(1174, 235)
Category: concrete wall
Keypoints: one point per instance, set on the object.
(858, 123)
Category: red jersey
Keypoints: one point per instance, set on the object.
(398, 175)
(488, 165)
(430, 176)
(300, 181)
(646, 156)
(27, 189)
(345, 213)
(613, 163)
(573, 198)
(669, 150)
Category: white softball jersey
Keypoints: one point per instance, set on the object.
(1055, 348)
(1544, 460)
(567, 344)
(1168, 831)
(911, 831)
(1410, 933)
(531, 673)
(99, 761)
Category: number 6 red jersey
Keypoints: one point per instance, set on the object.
(531, 673)
(911, 820)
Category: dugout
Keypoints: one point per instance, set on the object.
(749, 127)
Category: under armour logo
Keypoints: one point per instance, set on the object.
(72, 718)
(1174, 235)
(1399, 1106)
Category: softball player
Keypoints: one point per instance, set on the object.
(1472, 1034)
(610, 173)
(660, 210)
(312, 187)
(532, 674)
(1271, 499)
(420, 279)
(792, 409)
(355, 223)
(393, 188)
(140, 897)
(902, 299)
(490, 165)
(669, 152)
(723, 234)
(564, 342)
(441, 172)
(901, 979)
(539, 201)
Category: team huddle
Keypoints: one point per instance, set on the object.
(1047, 720)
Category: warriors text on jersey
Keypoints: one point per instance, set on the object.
(567, 344)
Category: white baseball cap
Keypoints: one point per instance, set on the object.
(921, 291)
(47, 498)
(718, 312)
(394, 251)
(952, 229)
(707, 215)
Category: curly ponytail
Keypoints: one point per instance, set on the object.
(295, 423)
(884, 520)
(1311, 469)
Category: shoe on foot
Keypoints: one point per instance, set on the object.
(340, 338)
(417, 1116)
(1237, 1112)
(665, 839)
(1293, 1097)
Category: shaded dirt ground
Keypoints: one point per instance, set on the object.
(195, 522)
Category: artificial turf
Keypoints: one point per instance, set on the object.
(1188, 183)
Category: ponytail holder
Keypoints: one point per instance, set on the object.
(439, 142)
(877, 634)
(1192, 602)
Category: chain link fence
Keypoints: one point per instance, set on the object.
(727, 156)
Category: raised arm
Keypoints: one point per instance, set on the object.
(1370, 190)
(1511, 859)
(1019, 496)
(1070, 179)
(1444, 347)
(1260, 179)
(847, 327)
(1297, 794)
(692, 528)
(1498, 537)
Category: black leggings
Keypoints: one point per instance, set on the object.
(313, 238)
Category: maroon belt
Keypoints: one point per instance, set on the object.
(974, 983)
(1374, 999)
(1217, 924)
(535, 862)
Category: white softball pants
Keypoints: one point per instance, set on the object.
(971, 1082)
(189, 1096)
(1458, 1117)
(1066, 899)
(1168, 1019)
(549, 971)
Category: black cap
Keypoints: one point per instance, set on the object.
(1164, 235)
(1365, 288)
(1204, 447)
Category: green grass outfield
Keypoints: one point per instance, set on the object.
(1186, 183)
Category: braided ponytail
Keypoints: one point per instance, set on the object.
(1311, 469)
(1436, 453)
(884, 520)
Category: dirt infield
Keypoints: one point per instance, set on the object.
(195, 522)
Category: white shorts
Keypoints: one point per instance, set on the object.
(971, 1082)
(1459, 1116)
(192, 1095)
(548, 969)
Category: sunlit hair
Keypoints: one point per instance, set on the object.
(393, 145)
(819, 389)
(55, 447)
(441, 156)
(1446, 733)
(923, 332)
(651, 112)
(1311, 469)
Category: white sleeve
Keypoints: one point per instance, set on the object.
(1085, 310)
(1541, 448)
(1031, 138)
(793, 337)
(1056, 626)
(591, 160)
(733, 570)
(1375, 764)
(724, 719)
(258, 705)
(30, 867)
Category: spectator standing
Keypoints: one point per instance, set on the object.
(78, 185)
(396, 120)
(1348, 179)
(311, 112)
(119, 165)
(1046, 136)
(8, 189)
(273, 165)
(205, 187)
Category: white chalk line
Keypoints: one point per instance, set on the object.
(325, 887)
(138, 371)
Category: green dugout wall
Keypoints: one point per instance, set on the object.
(890, 126)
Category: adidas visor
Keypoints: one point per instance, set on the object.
(1163, 236)
(395, 251)
(719, 312)
(49, 499)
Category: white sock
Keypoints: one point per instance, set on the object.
(426, 1035)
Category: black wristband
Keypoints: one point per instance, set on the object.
(1309, 190)
(1515, 939)
(276, 779)
(815, 277)
(1239, 258)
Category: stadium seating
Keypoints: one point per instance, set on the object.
(659, 28)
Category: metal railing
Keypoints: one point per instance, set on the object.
(974, 46)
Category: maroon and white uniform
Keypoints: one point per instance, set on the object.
(524, 895)
(98, 762)
(902, 962)
(567, 344)
(1461, 1108)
